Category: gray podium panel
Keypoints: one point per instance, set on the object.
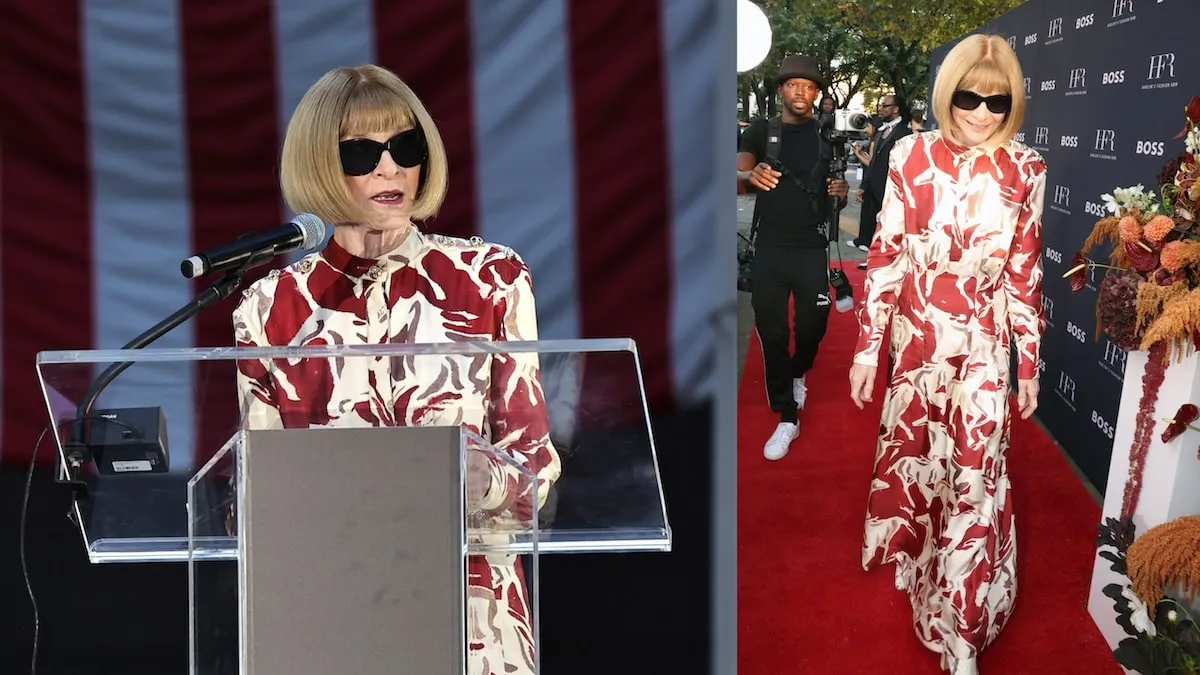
(352, 551)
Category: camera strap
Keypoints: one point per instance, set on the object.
(775, 143)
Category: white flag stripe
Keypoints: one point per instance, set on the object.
(691, 61)
(141, 218)
(311, 39)
(528, 205)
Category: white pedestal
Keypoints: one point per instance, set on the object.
(1171, 481)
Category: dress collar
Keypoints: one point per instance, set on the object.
(355, 266)
(963, 152)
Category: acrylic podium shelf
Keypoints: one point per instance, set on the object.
(608, 497)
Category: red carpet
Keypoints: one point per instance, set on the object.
(804, 604)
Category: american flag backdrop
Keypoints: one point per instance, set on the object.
(134, 133)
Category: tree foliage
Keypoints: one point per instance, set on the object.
(864, 46)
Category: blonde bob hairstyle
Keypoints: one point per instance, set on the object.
(984, 64)
(354, 102)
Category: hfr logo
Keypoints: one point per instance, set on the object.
(1114, 355)
(1078, 78)
(1027, 86)
(1055, 28)
(1121, 6)
(1062, 195)
(1066, 385)
(1042, 135)
(1012, 41)
(1048, 308)
(1106, 139)
(1161, 62)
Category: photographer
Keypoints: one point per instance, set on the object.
(790, 173)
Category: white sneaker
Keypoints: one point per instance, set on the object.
(799, 391)
(777, 445)
(864, 247)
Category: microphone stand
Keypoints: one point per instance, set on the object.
(76, 450)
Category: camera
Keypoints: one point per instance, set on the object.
(850, 123)
(842, 292)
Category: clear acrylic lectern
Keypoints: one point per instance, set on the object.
(311, 542)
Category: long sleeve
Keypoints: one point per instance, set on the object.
(517, 413)
(1023, 277)
(257, 398)
(887, 264)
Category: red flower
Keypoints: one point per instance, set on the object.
(1140, 259)
(1193, 109)
(1078, 273)
(1187, 414)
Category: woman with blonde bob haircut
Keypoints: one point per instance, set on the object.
(361, 152)
(955, 273)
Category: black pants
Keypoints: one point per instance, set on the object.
(780, 274)
(866, 219)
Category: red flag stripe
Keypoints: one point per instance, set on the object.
(623, 236)
(45, 208)
(233, 140)
(428, 44)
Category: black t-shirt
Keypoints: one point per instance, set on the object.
(786, 214)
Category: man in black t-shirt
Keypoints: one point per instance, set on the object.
(791, 253)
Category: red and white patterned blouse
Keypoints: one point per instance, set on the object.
(430, 289)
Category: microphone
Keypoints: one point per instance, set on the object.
(305, 232)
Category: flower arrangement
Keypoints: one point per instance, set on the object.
(1149, 298)
(1163, 636)
(1151, 293)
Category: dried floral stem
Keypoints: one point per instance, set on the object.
(1143, 433)
(1166, 556)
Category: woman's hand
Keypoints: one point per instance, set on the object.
(862, 383)
(1027, 397)
(479, 479)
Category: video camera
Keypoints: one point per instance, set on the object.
(837, 129)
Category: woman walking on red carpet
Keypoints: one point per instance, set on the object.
(955, 271)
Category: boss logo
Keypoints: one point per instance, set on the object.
(1102, 424)
(1154, 148)
(1019, 137)
(1053, 256)
(1076, 332)
(1085, 21)
(1030, 39)
(1094, 209)
(1115, 77)
(1048, 85)
(1069, 142)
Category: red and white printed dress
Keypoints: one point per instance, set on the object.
(430, 289)
(955, 271)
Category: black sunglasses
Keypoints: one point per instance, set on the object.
(999, 104)
(360, 156)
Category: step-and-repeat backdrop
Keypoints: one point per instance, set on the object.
(1106, 83)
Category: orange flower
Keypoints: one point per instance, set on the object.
(1131, 229)
(1170, 256)
(1158, 228)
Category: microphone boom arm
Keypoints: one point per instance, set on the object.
(76, 450)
